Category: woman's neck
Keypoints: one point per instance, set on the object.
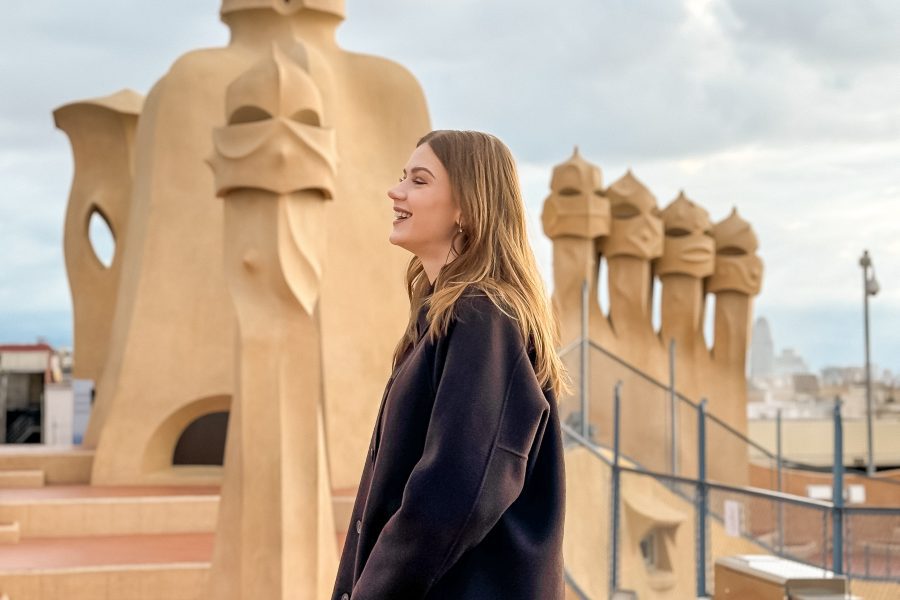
(434, 262)
(432, 269)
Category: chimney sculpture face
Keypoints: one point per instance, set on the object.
(576, 206)
(637, 229)
(286, 7)
(738, 268)
(689, 246)
(274, 140)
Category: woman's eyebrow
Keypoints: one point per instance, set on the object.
(414, 169)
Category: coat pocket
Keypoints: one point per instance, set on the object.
(524, 415)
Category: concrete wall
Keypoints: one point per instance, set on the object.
(813, 441)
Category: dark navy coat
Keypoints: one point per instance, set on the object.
(462, 495)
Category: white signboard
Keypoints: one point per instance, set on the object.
(58, 414)
(734, 517)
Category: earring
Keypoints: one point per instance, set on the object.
(460, 227)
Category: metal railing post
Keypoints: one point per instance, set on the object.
(870, 288)
(848, 547)
(866, 558)
(616, 477)
(778, 458)
(701, 499)
(673, 411)
(824, 540)
(585, 347)
(837, 516)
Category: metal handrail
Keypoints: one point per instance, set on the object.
(20, 429)
(872, 510)
(702, 485)
(594, 449)
(780, 498)
(582, 595)
(591, 447)
(718, 421)
(656, 382)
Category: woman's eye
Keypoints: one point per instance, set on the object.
(418, 181)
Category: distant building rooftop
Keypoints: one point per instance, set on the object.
(40, 347)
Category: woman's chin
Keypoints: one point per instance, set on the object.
(397, 240)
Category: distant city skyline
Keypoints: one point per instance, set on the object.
(767, 359)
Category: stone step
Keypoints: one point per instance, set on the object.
(9, 533)
(82, 510)
(342, 500)
(60, 464)
(73, 511)
(148, 567)
(133, 567)
(22, 478)
(143, 567)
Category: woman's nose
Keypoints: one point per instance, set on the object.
(394, 193)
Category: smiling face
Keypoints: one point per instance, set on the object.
(425, 214)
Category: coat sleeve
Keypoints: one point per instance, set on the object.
(481, 430)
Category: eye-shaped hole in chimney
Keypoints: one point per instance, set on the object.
(102, 238)
(731, 251)
(321, 192)
(624, 210)
(677, 232)
(307, 117)
(569, 191)
(248, 114)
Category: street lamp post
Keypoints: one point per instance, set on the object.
(870, 288)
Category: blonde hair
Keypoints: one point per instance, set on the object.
(495, 256)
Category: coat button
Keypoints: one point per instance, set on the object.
(358, 526)
(345, 597)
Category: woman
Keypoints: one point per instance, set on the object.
(463, 493)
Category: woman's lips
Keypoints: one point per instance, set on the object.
(399, 219)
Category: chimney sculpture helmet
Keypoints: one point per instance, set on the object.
(637, 229)
(274, 139)
(689, 248)
(738, 268)
(286, 7)
(576, 206)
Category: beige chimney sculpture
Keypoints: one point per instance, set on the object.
(275, 164)
(575, 216)
(172, 325)
(101, 132)
(690, 258)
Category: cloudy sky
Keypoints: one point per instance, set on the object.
(788, 110)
